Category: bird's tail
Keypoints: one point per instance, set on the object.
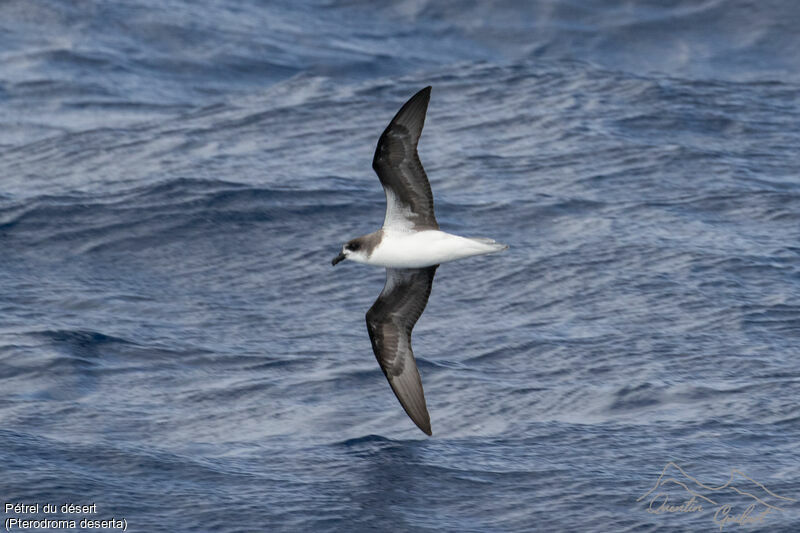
(490, 245)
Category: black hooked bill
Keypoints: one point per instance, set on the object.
(338, 259)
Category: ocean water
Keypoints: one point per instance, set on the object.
(176, 349)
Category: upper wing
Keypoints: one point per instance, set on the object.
(409, 200)
(389, 322)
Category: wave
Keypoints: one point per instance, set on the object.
(157, 214)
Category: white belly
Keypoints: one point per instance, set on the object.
(417, 249)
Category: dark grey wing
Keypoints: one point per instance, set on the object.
(409, 200)
(389, 322)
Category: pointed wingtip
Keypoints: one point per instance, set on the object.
(424, 424)
(423, 94)
(408, 389)
(418, 414)
(412, 113)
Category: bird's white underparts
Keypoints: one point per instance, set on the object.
(417, 249)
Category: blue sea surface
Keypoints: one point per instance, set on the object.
(175, 177)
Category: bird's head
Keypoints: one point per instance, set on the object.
(353, 250)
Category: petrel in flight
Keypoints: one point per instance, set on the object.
(410, 246)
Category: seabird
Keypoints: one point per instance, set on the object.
(411, 247)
